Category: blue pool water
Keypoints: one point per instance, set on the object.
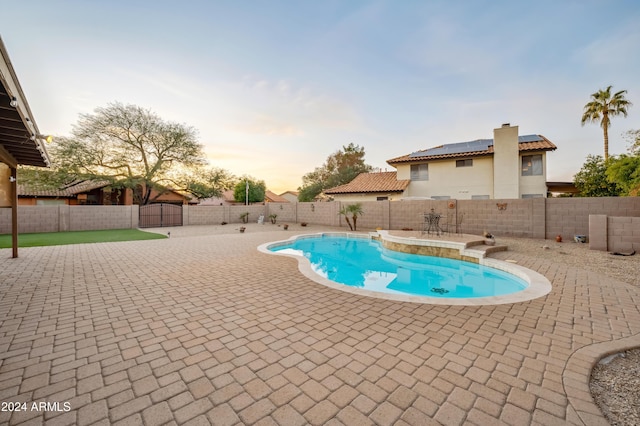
(364, 263)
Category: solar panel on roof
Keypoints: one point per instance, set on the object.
(455, 148)
(529, 138)
(473, 146)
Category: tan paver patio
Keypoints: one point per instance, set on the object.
(203, 329)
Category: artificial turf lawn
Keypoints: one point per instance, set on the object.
(78, 237)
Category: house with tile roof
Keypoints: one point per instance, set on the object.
(291, 196)
(272, 197)
(371, 187)
(507, 166)
(227, 199)
(91, 192)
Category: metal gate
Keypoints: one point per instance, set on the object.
(158, 215)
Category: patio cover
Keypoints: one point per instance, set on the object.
(20, 139)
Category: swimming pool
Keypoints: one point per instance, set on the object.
(358, 264)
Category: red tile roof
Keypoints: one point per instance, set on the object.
(371, 182)
(541, 145)
(68, 192)
(272, 197)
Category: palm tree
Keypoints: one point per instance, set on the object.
(345, 211)
(602, 107)
(355, 210)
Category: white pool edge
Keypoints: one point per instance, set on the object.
(538, 284)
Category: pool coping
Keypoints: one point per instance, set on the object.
(538, 284)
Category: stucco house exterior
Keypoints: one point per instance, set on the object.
(507, 166)
(290, 196)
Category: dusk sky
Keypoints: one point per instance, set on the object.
(274, 87)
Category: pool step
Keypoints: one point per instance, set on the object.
(481, 245)
(489, 249)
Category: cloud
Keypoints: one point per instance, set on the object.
(281, 107)
(613, 51)
(266, 125)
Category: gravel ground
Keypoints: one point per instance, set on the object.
(615, 381)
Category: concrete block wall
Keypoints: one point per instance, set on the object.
(286, 212)
(70, 218)
(598, 232)
(204, 215)
(319, 213)
(623, 234)
(570, 216)
(86, 218)
(254, 212)
(539, 218)
(375, 216)
(512, 217)
(410, 214)
(37, 219)
(531, 218)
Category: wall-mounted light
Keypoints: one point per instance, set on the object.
(46, 138)
(13, 102)
(12, 179)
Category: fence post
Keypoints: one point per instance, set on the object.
(185, 214)
(598, 233)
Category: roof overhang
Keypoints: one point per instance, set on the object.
(562, 187)
(20, 139)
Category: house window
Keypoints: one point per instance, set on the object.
(464, 163)
(50, 202)
(382, 198)
(480, 197)
(440, 197)
(532, 196)
(419, 172)
(532, 165)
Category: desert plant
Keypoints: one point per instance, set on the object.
(354, 210)
(244, 217)
(272, 218)
(344, 211)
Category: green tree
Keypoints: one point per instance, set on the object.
(206, 182)
(601, 108)
(340, 167)
(624, 171)
(257, 189)
(134, 148)
(633, 136)
(592, 180)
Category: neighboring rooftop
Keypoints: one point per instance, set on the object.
(371, 182)
(69, 191)
(474, 148)
(272, 197)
